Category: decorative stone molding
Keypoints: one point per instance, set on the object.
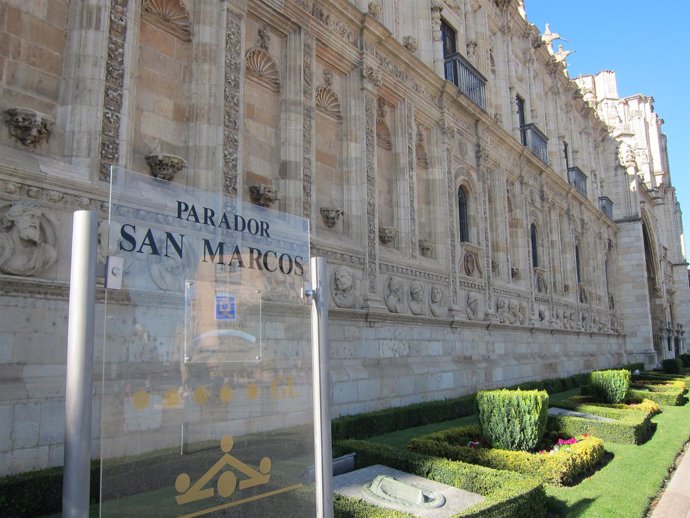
(231, 108)
(28, 126)
(387, 235)
(264, 195)
(470, 261)
(410, 43)
(426, 248)
(170, 16)
(370, 140)
(343, 287)
(28, 239)
(383, 131)
(420, 150)
(372, 77)
(331, 215)
(308, 115)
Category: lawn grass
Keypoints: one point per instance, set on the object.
(622, 488)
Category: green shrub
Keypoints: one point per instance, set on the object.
(628, 426)
(672, 365)
(513, 419)
(610, 386)
(661, 392)
(507, 495)
(560, 467)
(632, 367)
(685, 358)
(363, 426)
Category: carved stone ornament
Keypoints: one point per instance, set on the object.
(583, 294)
(383, 131)
(410, 43)
(472, 306)
(28, 242)
(259, 63)
(165, 167)
(387, 235)
(326, 98)
(343, 287)
(264, 195)
(426, 248)
(331, 215)
(514, 272)
(436, 299)
(420, 150)
(394, 294)
(417, 298)
(28, 126)
(375, 10)
(371, 75)
(170, 16)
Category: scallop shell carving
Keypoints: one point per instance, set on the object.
(327, 100)
(169, 15)
(260, 64)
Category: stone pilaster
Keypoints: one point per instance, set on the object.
(232, 107)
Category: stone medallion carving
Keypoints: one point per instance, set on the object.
(437, 304)
(28, 126)
(170, 273)
(472, 306)
(28, 242)
(417, 299)
(394, 294)
(343, 287)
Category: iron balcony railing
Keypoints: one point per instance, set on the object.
(606, 206)
(578, 179)
(469, 81)
(534, 139)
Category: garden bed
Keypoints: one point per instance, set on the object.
(555, 463)
(662, 392)
(631, 424)
(507, 495)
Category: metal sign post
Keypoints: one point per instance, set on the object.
(322, 415)
(80, 337)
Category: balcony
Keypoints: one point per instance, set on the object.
(606, 206)
(534, 139)
(578, 179)
(469, 81)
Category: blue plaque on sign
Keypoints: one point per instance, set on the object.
(225, 307)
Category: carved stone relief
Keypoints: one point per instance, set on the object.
(343, 287)
(420, 150)
(308, 121)
(28, 126)
(472, 306)
(417, 298)
(331, 215)
(383, 131)
(260, 65)
(231, 127)
(436, 301)
(372, 237)
(28, 242)
(169, 15)
(165, 167)
(394, 294)
(326, 98)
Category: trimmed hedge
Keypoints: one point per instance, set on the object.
(363, 426)
(610, 386)
(632, 367)
(669, 393)
(37, 493)
(512, 419)
(560, 468)
(672, 365)
(685, 358)
(554, 385)
(508, 495)
(630, 426)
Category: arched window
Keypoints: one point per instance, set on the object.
(463, 220)
(535, 251)
(578, 271)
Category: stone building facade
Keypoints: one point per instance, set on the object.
(487, 221)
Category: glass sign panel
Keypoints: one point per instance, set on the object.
(207, 394)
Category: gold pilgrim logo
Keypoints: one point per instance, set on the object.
(227, 482)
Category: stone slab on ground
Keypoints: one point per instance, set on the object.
(572, 413)
(456, 500)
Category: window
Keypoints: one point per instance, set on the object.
(578, 271)
(520, 102)
(565, 155)
(448, 36)
(463, 216)
(535, 251)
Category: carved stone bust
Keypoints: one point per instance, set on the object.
(394, 294)
(343, 287)
(27, 240)
(417, 298)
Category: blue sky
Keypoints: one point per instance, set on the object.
(647, 44)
